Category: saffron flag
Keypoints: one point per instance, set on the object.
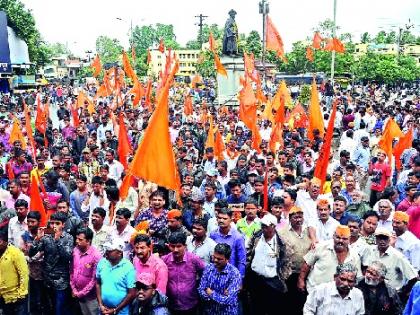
(391, 131)
(273, 40)
(161, 46)
(148, 93)
(212, 43)
(316, 121)
(219, 146)
(404, 143)
(338, 46)
(247, 105)
(219, 67)
(41, 118)
(16, 134)
(309, 54)
(154, 153)
(28, 128)
(36, 203)
(96, 66)
(298, 118)
(125, 186)
(128, 69)
(210, 135)
(75, 115)
(324, 154)
(317, 40)
(188, 107)
(138, 92)
(124, 146)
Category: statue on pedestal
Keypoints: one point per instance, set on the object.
(231, 36)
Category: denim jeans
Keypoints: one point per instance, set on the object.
(59, 301)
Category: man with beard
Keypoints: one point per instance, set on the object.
(122, 230)
(320, 263)
(338, 296)
(199, 243)
(380, 298)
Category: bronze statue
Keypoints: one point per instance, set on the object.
(230, 37)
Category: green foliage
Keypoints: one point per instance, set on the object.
(205, 66)
(387, 68)
(58, 49)
(305, 94)
(326, 28)
(109, 49)
(365, 38)
(85, 72)
(253, 44)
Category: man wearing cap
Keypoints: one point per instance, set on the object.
(196, 211)
(268, 259)
(338, 296)
(296, 236)
(400, 272)
(122, 230)
(115, 280)
(220, 284)
(379, 297)
(149, 301)
(407, 243)
(211, 177)
(174, 224)
(320, 263)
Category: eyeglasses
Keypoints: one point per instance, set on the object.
(143, 287)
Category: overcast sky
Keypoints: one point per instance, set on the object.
(79, 22)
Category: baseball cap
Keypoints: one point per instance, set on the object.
(268, 219)
(145, 279)
(115, 244)
(212, 172)
(382, 231)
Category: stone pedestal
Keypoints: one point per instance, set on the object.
(228, 87)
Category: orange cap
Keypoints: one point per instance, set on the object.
(174, 214)
(322, 202)
(401, 216)
(342, 231)
(316, 181)
(295, 209)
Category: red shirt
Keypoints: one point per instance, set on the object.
(380, 174)
(414, 222)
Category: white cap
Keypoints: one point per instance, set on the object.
(268, 219)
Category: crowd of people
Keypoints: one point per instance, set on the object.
(253, 232)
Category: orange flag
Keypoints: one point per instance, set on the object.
(138, 91)
(338, 46)
(277, 132)
(124, 146)
(298, 118)
(75, 115)
(28, 128)
(16, 134)
(317, 40)
(329, 46)
(320, 171)
(154, 153)
(128, 69)
(188, 107)
(219, 67)
(391, 131)
(273, 40)
(247, 105)
(161, 46)
(41, 118)
(96, 65)
(36, 203)
(125, 186)
(219, 146)
(404, 143)
(196, 80)
(210, 135)
(82, 98)
(309, 54)
(212, 43)
(316, 121)
(149, 57)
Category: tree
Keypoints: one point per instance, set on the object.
(380, 38)
(205, 65)
(109, 49)
(407, 38)
(326, 28)
(253, 44)
(365, 38)
(391, 38)
(22, 22)
(58, 49)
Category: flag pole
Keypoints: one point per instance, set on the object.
(334, 34)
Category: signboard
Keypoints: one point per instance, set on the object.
(5, 64)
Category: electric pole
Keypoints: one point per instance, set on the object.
(201, 18)
(264, 10)
(334, 35)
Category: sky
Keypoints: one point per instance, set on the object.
(78, 23)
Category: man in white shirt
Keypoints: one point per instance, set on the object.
(122, 230)
(385, 211)
(338, 296)
(96, 199)
(105, 126)
(115, 167)
(325, 225)
(407, 243)
(17, 224)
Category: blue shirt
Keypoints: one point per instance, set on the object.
(345, 218)
(237, 243)
(115, 282)
(413, 304)
(226, 281)
(362, 157)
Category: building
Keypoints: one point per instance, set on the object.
(188, 59)
(63, 67)
(388, 49)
